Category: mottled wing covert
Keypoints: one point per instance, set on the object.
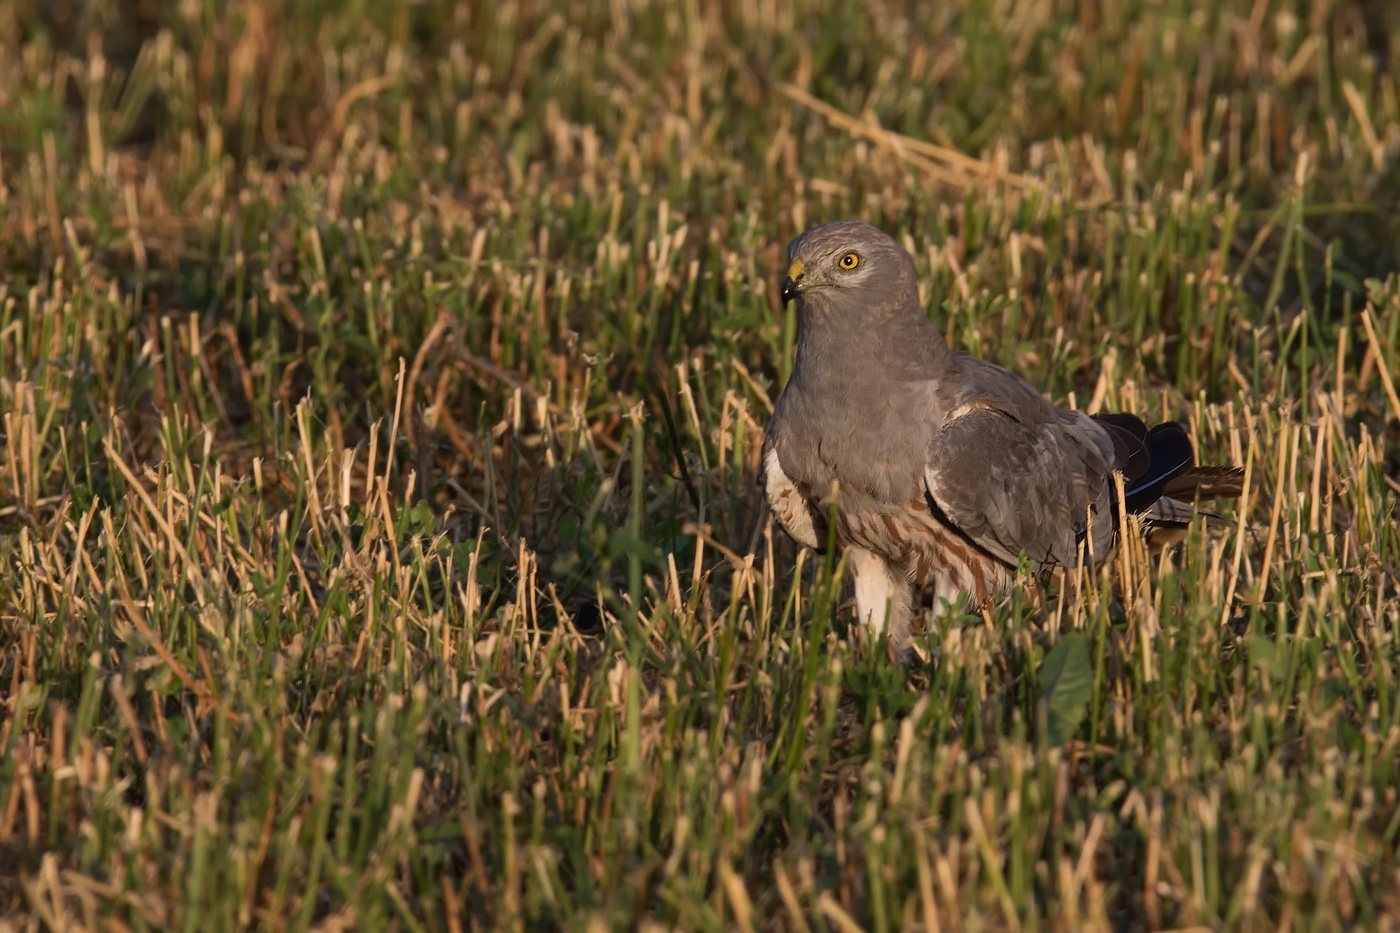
(1013, 485)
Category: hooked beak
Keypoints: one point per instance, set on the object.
(793, 283)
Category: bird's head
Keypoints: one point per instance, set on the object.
(849, 264)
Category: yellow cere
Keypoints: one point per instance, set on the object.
(795, 270)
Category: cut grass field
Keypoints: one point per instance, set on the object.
(382, 389)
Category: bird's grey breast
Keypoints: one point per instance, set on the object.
(869, 438)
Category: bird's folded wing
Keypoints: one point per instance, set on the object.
(1013, 480)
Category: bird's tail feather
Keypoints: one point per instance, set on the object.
(1207, 482)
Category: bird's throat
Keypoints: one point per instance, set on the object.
(848, 344)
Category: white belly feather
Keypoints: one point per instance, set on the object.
(787, 503)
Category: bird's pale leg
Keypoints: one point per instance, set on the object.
(883, 598)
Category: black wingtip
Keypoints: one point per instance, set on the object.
(1129, 437)
(1169, 447)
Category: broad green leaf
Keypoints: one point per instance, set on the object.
(1066, 686)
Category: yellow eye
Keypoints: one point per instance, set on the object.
(849, 261)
